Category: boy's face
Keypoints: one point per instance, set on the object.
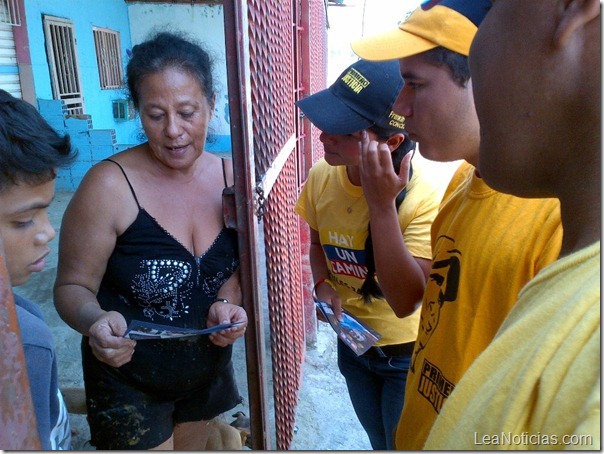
(439, 114)
(25, 229)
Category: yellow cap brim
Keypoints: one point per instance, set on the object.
(422, 31)
(391, 45)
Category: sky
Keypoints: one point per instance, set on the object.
(356, 19)
(383, 14)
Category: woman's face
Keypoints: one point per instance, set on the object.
(343, 150)
(175, 114)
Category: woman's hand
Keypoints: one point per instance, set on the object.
(106, 338)
(380, 182)
(325, 292)
(222, 313)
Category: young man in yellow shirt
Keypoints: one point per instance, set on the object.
(486, 245)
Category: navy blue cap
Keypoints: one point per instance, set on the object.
(362, 96)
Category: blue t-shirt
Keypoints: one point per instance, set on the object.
(41, 362)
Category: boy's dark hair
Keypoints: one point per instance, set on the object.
(456, 63)
(31, 151)
(370, 288)
(169, 50)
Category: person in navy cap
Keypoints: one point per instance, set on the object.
(486, 245)
(369, 254)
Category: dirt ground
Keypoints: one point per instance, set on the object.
(325, 419)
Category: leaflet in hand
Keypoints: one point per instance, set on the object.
(356, 334)
(140, 330)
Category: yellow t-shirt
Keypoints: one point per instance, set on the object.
(486, 247)
(537, 386)
(337, 209)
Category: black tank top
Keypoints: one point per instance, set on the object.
(152, 277)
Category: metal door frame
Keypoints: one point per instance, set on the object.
(239, 93)
(19, 423)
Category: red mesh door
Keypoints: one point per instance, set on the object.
(273, 71)
(267, 130)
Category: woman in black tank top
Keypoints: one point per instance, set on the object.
(143, 239)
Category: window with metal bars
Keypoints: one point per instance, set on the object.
(9, 12)
(62, 55)
(108, 57)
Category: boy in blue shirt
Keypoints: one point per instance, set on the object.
(30, 154)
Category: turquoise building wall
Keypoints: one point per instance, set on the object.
(85, 14)
(100, 135)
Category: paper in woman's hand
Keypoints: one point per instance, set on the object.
(139, 330)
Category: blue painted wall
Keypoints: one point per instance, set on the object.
(102, 136)
(85, 14)
(93, 145)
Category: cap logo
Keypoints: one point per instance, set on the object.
(362, 96)
(355, 80)
(396, 120)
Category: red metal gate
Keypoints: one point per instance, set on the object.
(272, 62)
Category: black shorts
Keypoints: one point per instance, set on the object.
(126, 411)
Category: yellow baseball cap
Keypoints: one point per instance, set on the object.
(451, 24)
